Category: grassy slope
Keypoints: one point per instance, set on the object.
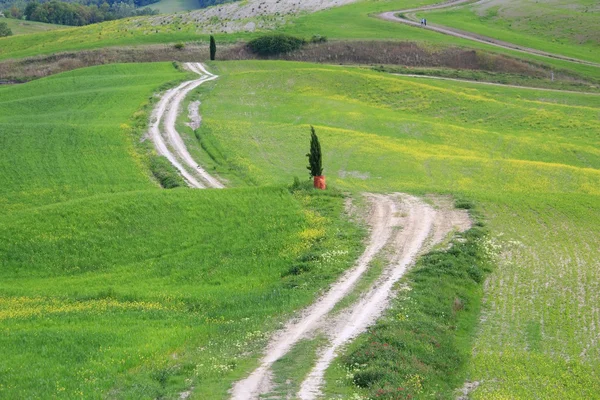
(530, 158)
(560, 27)
(110, 285)
(353, 21)
(20, 27)
(68, 136)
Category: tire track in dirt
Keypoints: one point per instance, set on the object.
(409, 19)
(404, 225)
(167, 140)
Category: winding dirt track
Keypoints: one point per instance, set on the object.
(410, 19)
(401, 224)
(167, 140)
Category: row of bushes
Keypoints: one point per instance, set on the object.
(5, 29)
(279, 44)
(74, 14)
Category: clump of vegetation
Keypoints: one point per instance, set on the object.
(5, 30)
(179, 46)
(165, 173)
(213, 48)
(270, 45)
(421, 348)
(318, 39)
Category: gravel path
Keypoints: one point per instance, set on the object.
(167, 140)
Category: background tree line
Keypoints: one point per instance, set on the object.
(77, 14)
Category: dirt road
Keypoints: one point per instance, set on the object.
(409, 19)
(403, 225)
(167, 140)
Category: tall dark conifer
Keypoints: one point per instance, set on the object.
(213, 48)
(315, 159)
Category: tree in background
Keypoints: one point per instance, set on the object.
(213, 48)
(315, 160)
(5, 30)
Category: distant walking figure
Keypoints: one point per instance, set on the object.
(422, 20)
(425, 21)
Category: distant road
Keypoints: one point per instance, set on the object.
(167, 140)
(409, 18)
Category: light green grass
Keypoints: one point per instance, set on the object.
(556, 26)
(422, 135)
(529, 158)
(22, 27)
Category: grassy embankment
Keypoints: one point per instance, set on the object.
(528, 158)
(554, 26)
(112, 286)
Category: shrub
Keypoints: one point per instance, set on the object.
(275, 44)
(318, 39)
(179, 46)
(5, 30)
(165, 173)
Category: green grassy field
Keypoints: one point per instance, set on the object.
(21, 27)
(528, 158)
(70, 136)
(556, 26)
(111, 286)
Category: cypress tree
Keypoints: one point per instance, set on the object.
(213, 48)
(315, 159)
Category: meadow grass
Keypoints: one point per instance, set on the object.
(22, 27)
(72, 135)
(111, 286)
(528, 158)
(146, 294)
(380, 130)
(555, 26)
